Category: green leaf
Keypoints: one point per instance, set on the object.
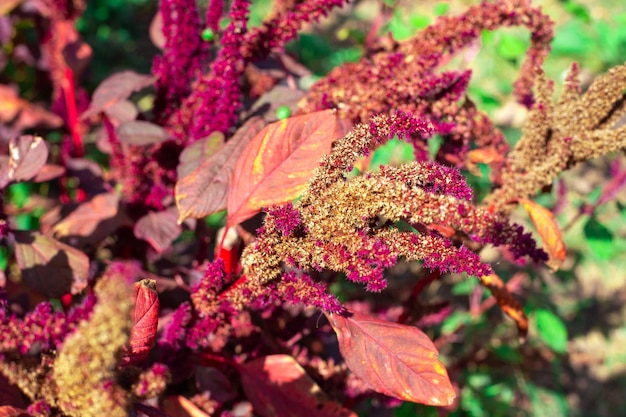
(599, 239)
(551, 330)
(454, 320)
(508, 353)
(464, 287)
(434, 144)
(401, 29)
(441, 8)
(394, 152)
(578, 10)
(547, 403)
(510, 47)
(573, 38)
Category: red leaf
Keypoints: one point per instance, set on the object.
(27, 155)
(146, 319)
(204, 190)
(192, 156)
(393, 359)
(277, 386)
(159, 229)
(49, 172)
(548, 230)
(115, 88)
(276, 165)
(49, 266)
(141, 133)
(85, 219)
(21, 114)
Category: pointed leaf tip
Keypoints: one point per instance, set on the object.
(393, 359)
(145, 321)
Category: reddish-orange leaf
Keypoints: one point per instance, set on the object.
(48, 266)
(393, 359)
(146, 319)
(507, 302)
(484, 156)
(549, 231)
(49, 172)
(203, 191)
(276, 165)
(87, 216)
(277, 386)
(27, 155)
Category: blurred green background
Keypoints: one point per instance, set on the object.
(574, 362)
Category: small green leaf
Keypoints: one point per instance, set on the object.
(283, 112)
(441, 8)
(393, 152)
(552, 330)
(578, 10)
(599, 239)
(464, 287)
(208, 35)
(454, 320)
(510, 47)
(216, 220)
(508, 353)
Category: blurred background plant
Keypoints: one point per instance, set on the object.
(573, 362)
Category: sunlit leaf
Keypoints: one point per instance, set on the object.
(393, 359)
(548, 230)
(87, 216)
(49, 172)
(22, 114)
(48, 266)
(277, 163)
(507, 302)
(551, 330)
(205, 189)
(277, 386)
(145, 321)
(27, 155)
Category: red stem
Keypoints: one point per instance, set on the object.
(72, 112)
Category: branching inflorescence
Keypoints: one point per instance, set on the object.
(556, 137)
(403, 76)
(351, 225)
